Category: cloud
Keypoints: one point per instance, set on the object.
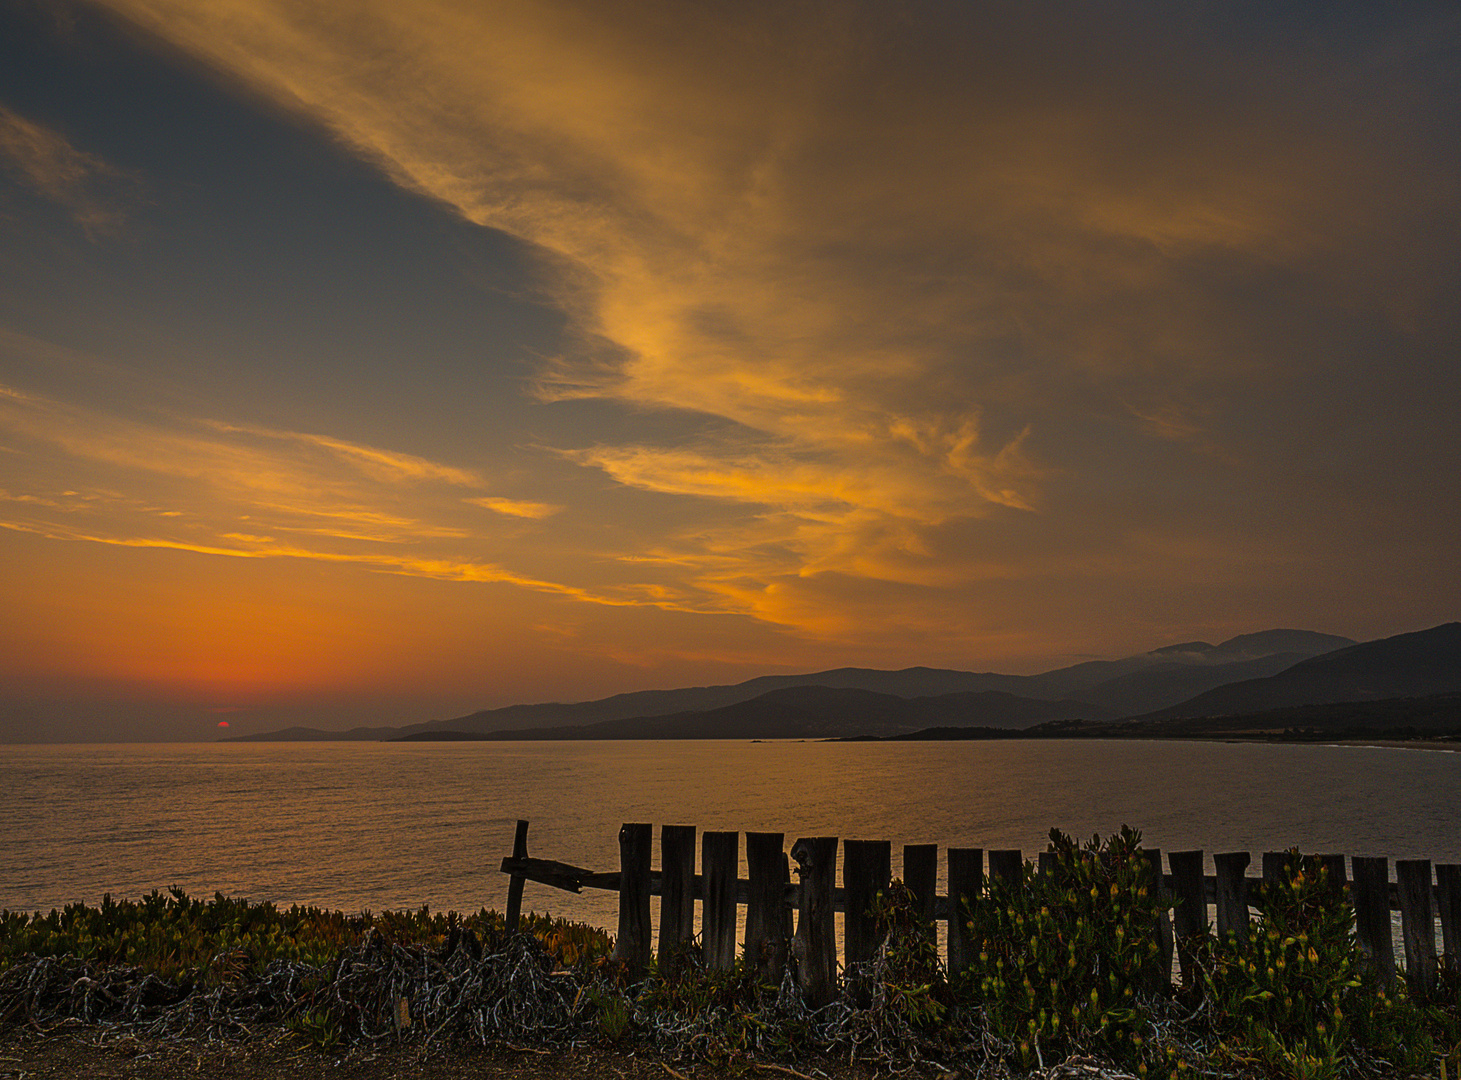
(903, 270)
(516, 507)
(46, 162)
(382, 464)
(125, 477)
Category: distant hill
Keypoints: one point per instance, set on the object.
(1434, 715)
(1405, 666)
(809, 712)
(1136, 684)
(1432, 718)
(907, 683)
(1078, 680)
(1171, 683)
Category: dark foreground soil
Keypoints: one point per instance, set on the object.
(86, 1054)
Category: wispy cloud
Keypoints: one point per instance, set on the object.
(47, 163)
(243, 487)
(516, 507)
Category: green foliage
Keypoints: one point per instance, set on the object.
(614, 1010)
(222, 940)
(319, 1026)
(909, 974)
(1299, 997)
(1064, 956)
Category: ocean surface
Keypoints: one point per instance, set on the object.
(362, 826)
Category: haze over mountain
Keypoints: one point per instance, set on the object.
(1094, 690)
(1407, 665)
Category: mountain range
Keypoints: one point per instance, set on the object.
(1270, 670)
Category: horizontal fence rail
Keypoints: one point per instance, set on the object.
(770, 898)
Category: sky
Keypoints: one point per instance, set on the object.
(378, 362)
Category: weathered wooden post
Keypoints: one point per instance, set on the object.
(513, 915)
(1334, 872)
(1275, 867)
(1232, 895)
(677, 892)
(1448, 895)
(920, 874)
(867, 867)
(1007, 865)
(1189, 914)
(788, 924)
(1160, 976)
(766, 905)
(815, 945)
(635, 844)
(1417, 925)
(966, 882)
(720, 854)
(1046, 863)
(1371, 895)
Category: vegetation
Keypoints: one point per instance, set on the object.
(1066, 966)
(173, 935)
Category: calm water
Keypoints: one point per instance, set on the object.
(378, 825)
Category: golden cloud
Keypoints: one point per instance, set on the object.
(898, 263)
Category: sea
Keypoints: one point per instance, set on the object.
(373, 826)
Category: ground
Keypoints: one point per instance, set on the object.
(84, 1052)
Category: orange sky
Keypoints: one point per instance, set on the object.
(382, 363)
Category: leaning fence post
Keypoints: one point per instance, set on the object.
(1448, 894)
(1189, 914)
(1161, 968)
(1417, 925)
(632, 947)
(966, 882)
(766, 904)
(1371, 895)
(815, 945)
(515, 883)
(677, 891)
(920, 874)
(719, 858)
(867, 867)
(1232, 895)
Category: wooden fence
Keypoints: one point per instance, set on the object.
(770, 898)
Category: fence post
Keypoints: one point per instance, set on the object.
(1189, 913)
(966, 881)
(815, 945)
(1334, 872)
(1417, 925)
(719, 861)
(514, 911)
(788, 926)
(632, 947)
(766, 904)
(1006, 866)
(1448, 889)
(1371, 895)
(1232, 895)
(920, 874)
(1275, 866)
(677, 891)
(867, 867)
(1161, 974)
